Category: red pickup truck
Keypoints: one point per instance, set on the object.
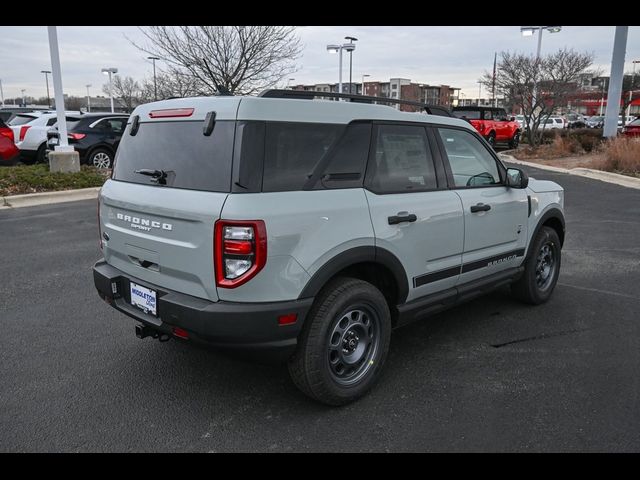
(492, 123)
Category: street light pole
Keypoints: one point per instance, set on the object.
(602, 84)
(338, 48)
(109, 71)
(479, 91)
(351, 40)
(57, 90)
(46, 77)
(24, 100)
(88, 99)
(1, 94)
(155, 84)
(527, 32)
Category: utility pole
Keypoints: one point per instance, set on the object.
(46, 77)
(155, 83)
(615, 82)
(57, 90)
(88, 99)
(351, 40)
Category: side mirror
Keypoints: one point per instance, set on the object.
(512, 119)
(516, 178)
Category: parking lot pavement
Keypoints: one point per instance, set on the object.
(491, 375)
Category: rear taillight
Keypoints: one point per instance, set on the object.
(23, 132)
(76, 136)
(240, 251)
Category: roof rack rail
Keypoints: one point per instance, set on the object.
(311, 94)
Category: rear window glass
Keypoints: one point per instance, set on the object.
(470, 114)
(292, 150)
(190, 159)
(21, 120)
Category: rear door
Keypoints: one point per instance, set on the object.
(414, 215)
(495, 216)
(161, 230)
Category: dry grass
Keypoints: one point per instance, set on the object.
(621, 155)
(558, 148)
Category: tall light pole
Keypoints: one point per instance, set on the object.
(603, 82)
(633, 78)
(109, 71)
(1, 94)
(155, 83)
(529, 32)
(57, 89)
(351, 40)
(349, 47)
(363, 76)
(46, 78)
(24, 100)
(479, 91)
(88, 98)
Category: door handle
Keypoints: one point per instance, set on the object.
(402, 217)
(481, 207)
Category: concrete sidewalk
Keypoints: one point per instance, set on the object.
(615, 178)
(32, 199)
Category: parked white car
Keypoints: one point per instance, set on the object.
(553, 122)
(30, 134)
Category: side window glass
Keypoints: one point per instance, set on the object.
(347, 164)
(401, 161)
(471, 164)
(292, 151)
(51, 121)
(117, 125)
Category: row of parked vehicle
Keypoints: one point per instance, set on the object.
(574, 120)
(28, 136)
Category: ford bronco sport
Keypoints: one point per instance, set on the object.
(492, 123)
(306, 230)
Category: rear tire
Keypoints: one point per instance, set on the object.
(343, 344)
(542, 268)
(41, 153)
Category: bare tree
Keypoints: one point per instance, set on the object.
(235, 59)
(538, 85)
(172, 83)
(126, 90)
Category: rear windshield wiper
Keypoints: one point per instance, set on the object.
(159, 176)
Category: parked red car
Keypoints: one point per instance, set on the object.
(632, 129)
(9, 153)
(492, 123)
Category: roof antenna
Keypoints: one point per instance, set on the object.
(222, 91)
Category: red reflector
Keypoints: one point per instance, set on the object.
(239, 247)
(180, 333)
(76, 136)
(171, 112)
(23, 131)
(288, 319)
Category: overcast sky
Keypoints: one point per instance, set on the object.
(454, 56)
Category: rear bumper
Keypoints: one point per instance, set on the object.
(10, 159)
(251, 328)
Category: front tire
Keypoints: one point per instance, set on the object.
(343, 344)
(542, 268)
(491, 139)
(101, 158)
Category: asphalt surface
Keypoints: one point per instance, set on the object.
(491, 375)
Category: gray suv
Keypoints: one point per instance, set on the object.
(305, 231)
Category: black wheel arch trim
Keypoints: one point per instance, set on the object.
(353, 256)
(551, 213)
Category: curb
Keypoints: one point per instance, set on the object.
(32, 199)
(609, 177)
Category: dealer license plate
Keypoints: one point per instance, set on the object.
(143, 298)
